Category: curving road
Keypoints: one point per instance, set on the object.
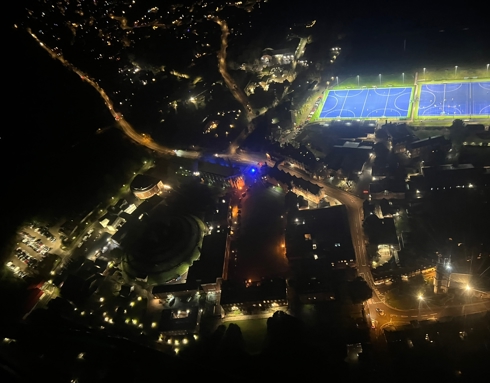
(127, 128)
(354, 208)
(144, 139)
(239, 94)
(352, 202)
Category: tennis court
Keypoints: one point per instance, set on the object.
(367, 103)
(455, 99)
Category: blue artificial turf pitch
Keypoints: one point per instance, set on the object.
(455, 99)
(367, 103)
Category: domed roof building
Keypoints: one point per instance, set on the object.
(144, 186)
(161, 247)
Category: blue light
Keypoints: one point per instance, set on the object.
(252, 170)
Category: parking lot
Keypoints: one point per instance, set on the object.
(35, 243)
(257, 250)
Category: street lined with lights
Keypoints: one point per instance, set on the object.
(353, 204)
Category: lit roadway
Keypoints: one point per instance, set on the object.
(391, 315)
(239, 94)
(352, 202)
(142, 139)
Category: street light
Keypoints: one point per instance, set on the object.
(455, 70)
(380, 79)
(403, 78)
(487, 67)
(424, 73)
(337, 80)
(358, 77)
(420, 298)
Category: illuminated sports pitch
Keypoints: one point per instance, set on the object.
(455, 99)
(368, 103)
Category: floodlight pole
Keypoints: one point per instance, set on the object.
(358, 77)
(403, 77)
(424, 73)
(487, 68)
(337, 78)
(380, 79)
(455, 70)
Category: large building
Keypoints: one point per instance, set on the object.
(449, 177)
(206, 273)
(297, 185)
(254, 297)
(301, 158)
(159, 247)
(144, 186)
(215, 173)
(314, 290)
(182, 301)
(425, 147)
(281, 56)
(347, 159)
(319, 239)
(399, 136)
(387, 188)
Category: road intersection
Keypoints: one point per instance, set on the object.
(352, 202)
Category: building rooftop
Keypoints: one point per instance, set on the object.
(309, 285)
(379, 171)
(319, 234)
(388, 184)
(219, 170)
(432, 170)
(267, 289)
(282, 52)
(134, 219)
(175, 287)
(179, 321)
(302, 154)
(386, 208)
(449, 176)
(399, 132)
(219, 213)
(435, 140)
(143, 182)
(348, 159)
(206, 270)
(387, 232)
(289, 179)
(354, 145)
(210, 265)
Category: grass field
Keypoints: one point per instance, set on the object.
(408, 78)
(424, 77)
(446, 74)
(468, 100)
(254, 332)
(447, 100)
(371, 81)
(368, 103)
(431, 132)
